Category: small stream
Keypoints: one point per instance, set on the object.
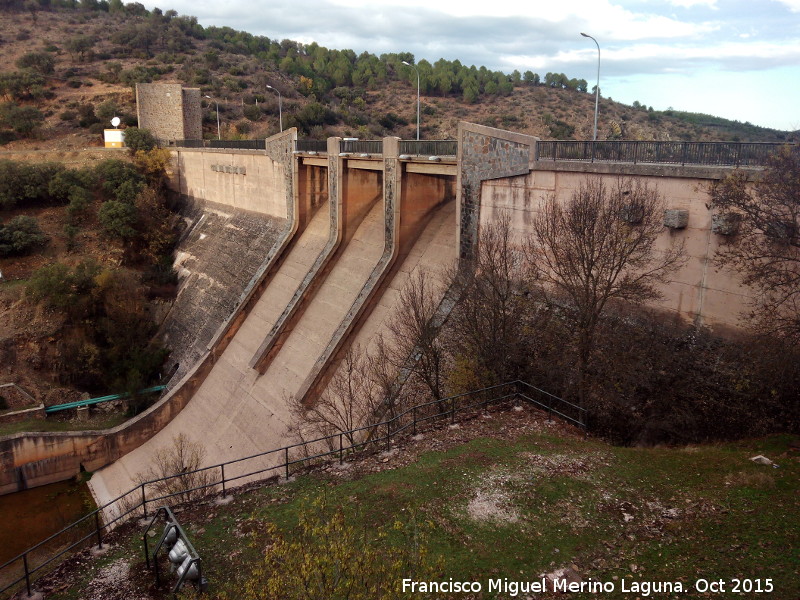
(30, 516)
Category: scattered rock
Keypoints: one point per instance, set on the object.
(763, 460)
(564, 573)
(671, 513)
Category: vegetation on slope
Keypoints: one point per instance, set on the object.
(83, 252)
(504, 496)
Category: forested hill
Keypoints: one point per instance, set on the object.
(69, 67)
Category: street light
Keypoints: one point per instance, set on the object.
(597, 87)
(280, 105)
(219, 137)
(417, 70)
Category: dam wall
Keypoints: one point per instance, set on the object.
(499, 175)
(349, 229)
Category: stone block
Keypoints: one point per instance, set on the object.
(632, 213)
(725, 223)
(676, 218)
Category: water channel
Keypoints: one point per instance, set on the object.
(31, 516)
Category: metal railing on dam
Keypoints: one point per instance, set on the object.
(407, 147)
(361, 146)
(231, 144)
(719, 154)
(318, 146)
(429, 147)
(264, 465)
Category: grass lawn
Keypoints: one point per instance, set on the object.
(512, 497)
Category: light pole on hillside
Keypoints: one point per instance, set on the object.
(417, 70)
(280, 105)
(219, 137)
(596, 87)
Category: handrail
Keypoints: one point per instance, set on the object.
(722, 154)
(351, 146)
(429, 147)
(410, 418)
(100, 399)
(259, 144)
(305, 145)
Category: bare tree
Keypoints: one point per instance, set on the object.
(597, 247)
(415, 344)
(384, 375)
(175, 468)
(486, 331)
(349, 401)
(766, 249)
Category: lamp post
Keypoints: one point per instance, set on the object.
(219, 137)
(417, 70)
(280, 105)
(596, 87)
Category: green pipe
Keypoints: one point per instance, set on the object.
(98, 400)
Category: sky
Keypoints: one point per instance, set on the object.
(738, 59)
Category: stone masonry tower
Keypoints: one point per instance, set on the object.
(169, 111)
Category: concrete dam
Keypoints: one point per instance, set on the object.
(354, 221)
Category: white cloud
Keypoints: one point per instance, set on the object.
(693, 3)
(792, 5)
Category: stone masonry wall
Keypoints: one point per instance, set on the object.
(485, 153)
(192, 115)
(169, 111)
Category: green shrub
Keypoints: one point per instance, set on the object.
(113, 173)
(41, 62)
(25, 184)
(51, 284)
(326, 556)
(87, 116)
(21, 85)
(252, 112)
(23, 120)
(139, 139)
(20, 236)
(561, 130)
(127, 191)
(61, 185)
(107, 110)
(79, 201)
(391, 120)
(71, 232)
(118, 219)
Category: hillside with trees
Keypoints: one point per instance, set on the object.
(71, 67)
(85, 254)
